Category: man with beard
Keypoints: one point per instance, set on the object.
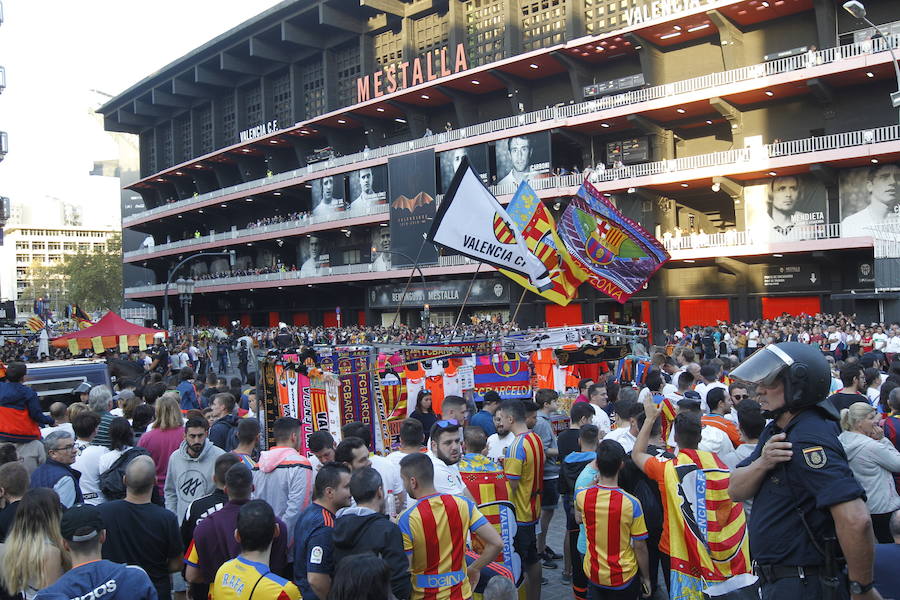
(445, 450)
(883, 185)
(191, 467)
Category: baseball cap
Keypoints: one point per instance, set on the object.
(81, 523)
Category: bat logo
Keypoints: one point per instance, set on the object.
(401, 202)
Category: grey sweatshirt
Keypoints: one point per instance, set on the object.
(190, 478)
(873, 463)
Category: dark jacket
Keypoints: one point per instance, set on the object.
(20, 413)
(360, 529)
(571, 468)
(48, 475)
(223, 433)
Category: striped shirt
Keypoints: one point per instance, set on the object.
(612, 519)
(434, 535)
(525, 463)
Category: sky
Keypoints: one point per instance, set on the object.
(62, 60)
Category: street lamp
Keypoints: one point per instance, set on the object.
(415, 267)
(166, 320)
(185, 289)
(858, 10)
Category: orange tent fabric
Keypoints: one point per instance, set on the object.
(109, 328)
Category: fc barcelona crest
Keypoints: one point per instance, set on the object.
(815, 457)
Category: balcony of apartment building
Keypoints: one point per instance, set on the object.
(714, 99)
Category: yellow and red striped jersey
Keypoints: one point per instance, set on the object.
(434, 532)
(525, 463)
(612, 518)
(704, 531)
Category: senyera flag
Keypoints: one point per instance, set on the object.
(472, 222)
(618, 255)
(539, 230)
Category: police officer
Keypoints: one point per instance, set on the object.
(809, 518)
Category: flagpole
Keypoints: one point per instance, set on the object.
(516, 313)
(466, 299)
(412, 272)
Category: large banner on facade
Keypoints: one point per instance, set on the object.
(450, 160)
(787, 208)
(523, 158)
(440, 293)
(413, 206)
(328, 197)
(869, 196)
(509, 378)
(368, 189)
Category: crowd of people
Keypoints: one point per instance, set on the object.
(707, 467)
(274, 220)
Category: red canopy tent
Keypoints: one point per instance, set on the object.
(108, 329)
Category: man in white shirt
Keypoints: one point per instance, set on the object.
(497, 444)
(712, 439)
(709, 379)
(445, 450)
(879, 338)
(752, 340)
(626, 432)
(412, 436)
(394, 493)
(599, 399)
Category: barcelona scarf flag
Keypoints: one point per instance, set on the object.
(539, 232)
(617, 254)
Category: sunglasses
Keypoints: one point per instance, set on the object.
(741, 396)
(447, 423)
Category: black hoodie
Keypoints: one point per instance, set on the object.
(358, 530)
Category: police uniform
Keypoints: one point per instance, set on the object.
(816, 478)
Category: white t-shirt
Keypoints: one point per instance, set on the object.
(88, 464)
(67, 427)
(893, 345)
(753, 339)
(447, 479)
(390, 480)
(601, 420)
(880, 340)
(496, 446)
(623, 436)
(703, 388)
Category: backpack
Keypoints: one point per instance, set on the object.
(112, 482)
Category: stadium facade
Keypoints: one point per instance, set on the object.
(755, 138)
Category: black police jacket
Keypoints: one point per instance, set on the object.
(816, 478)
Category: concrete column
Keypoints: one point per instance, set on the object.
(731, 40)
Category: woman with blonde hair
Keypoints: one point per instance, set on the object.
(872, 459)
(165, 436)
(33, 555)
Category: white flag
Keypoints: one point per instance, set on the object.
(472, 222)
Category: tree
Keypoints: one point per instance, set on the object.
(93, 279)
(43, 282)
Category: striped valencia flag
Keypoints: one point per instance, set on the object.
(35, 324)
(539, 232)
(704, 531)
(502, 231)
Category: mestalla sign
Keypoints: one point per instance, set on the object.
(406, 74)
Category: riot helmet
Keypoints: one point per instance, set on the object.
(802, 368)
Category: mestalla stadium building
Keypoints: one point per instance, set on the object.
(756, 139)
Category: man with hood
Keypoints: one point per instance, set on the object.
(223, 432)
(365, 528)
(283, 477)
(191, 467)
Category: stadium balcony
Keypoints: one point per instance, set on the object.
(817, 73)
(847, 149)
